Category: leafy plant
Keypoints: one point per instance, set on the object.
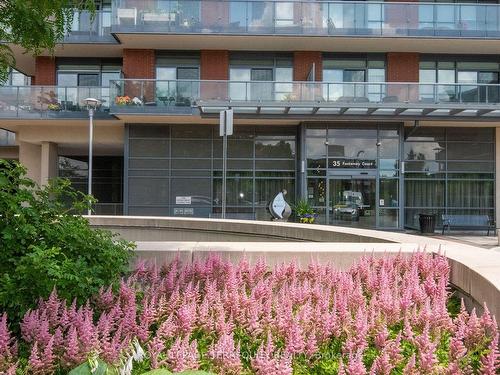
(35, 26)
(305, 212)
(44, 246)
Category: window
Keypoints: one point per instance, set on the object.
(260, 78)
(178, 79)
(460, 81)
(449, 170)
(166, 162)
(349, 75)
(91, 78)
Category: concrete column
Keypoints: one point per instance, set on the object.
(497, 179)
(48, 167)
(29, 156)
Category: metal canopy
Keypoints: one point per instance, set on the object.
(399, 111)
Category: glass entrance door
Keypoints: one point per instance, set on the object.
(352, 201)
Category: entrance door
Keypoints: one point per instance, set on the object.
(352, 201)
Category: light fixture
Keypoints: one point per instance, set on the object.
(91, 104)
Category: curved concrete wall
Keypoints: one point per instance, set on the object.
(475, 271)
(139, 228)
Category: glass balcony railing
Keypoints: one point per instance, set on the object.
(86, 28)
(49, 101)
(164, 96)
(341, 18)
(181, 96)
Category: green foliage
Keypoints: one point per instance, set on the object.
(100, 368)
(34, 26)
(302, 207)
(45, 246)
(453, 305)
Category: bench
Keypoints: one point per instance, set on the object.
(468, 222)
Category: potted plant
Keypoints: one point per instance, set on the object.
(123, 100)
(305, 212)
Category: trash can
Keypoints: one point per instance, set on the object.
(427, 223)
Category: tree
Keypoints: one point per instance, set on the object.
(35, 25)
(44, 246)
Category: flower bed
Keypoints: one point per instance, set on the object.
(385, 316)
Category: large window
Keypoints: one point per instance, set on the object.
(7, 138)
(449, 170)
(177, 78)
(459, 81)
(107, 180)
(260, 78)
(348, 77)
(88, 78)
(177, 170)
(17, 78)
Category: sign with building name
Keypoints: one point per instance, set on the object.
(353, 163)
(182, 200)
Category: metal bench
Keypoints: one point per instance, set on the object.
(468, 222)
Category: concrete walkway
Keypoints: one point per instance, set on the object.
(478, 239)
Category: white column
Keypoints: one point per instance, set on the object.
(48, 166)
(29, 156)
(497, 179)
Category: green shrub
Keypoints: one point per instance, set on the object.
(43, 245)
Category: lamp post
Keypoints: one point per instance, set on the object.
(91, 104)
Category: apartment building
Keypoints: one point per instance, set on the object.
(374, 112)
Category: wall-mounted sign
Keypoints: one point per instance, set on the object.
(182, 200)
(183, 211)
(352, 163)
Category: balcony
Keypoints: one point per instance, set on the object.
(307, 18)
(50, 102)
(85, 29)
(311, 99)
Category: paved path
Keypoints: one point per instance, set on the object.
(469, 238)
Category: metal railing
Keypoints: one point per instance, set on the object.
(49, 101)
(277, 17)
(140, 95)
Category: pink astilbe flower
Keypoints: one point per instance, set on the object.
(355, 365)
(183, 355)
(225, 354)
(8, 348)
(426, 351)
(491, 362)
(155, 347)
(303, 310)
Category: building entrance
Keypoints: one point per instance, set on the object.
(351, 201)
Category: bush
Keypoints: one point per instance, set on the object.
(44, 246)
(382, 316)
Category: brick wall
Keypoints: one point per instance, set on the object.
(45, 70)
(402, 67)
(214, 65)
(139, 64)
(302, 63)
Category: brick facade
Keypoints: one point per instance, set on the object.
(45, 70)
(302, 63)
(403, 67)
(139, 64)
(214, 65)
